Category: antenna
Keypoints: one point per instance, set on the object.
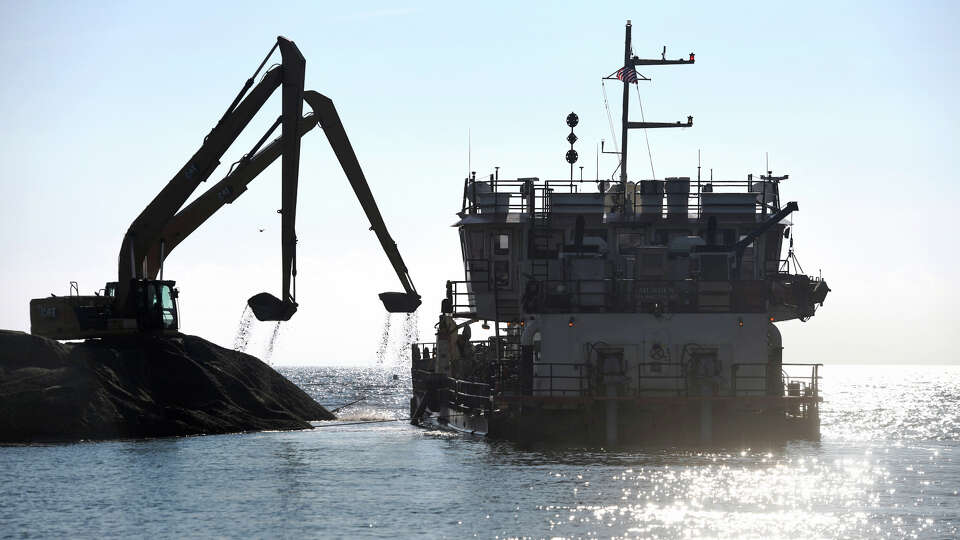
(699, 189)
(469, 153)
(628, 74)
(698, 172)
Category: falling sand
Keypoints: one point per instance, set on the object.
(245, 334)
(242, 339)
(394, 350)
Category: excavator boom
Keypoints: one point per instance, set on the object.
(234, 184)
(137, 301)
(146, 229)
(223, 192)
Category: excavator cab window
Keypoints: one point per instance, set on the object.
(168, 309)
(156, 305)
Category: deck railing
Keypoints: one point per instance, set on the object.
(668, 378)
(787, 381)
(646, 198)
(513, 375)
(580, 374)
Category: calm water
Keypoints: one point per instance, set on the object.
(888, 467)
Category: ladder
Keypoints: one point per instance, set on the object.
(540, 237)
(507, 330)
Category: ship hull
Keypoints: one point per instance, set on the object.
(621, 421)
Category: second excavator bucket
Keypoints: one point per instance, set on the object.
(267, 307)
(398, 302)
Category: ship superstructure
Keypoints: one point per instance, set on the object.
(622, 310)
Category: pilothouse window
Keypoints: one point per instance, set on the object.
(169, 313)
(501, 244)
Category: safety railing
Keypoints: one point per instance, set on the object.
(522, 195)
(562, 379)
(475, 360)
(682, 198)
(464, 301)
(662, 378)
(455, 392)
(685, 199)
(512, 374)
(806, 385)
(756, 378)
(423, 356)
(461, 395)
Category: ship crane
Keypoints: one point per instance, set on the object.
(139, 302)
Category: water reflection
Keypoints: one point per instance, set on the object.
(852, 485)
(887, 468)
(803, 491)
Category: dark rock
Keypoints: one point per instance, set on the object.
(142, 387)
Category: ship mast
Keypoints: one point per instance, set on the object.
(624, 129)
(629, 75)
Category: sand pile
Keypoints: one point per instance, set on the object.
(146, 387)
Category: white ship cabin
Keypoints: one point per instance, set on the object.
(650, 277)
(667, 246)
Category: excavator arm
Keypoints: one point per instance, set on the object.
(223, 192)
(395, 302)
(265, 306)
(147, 228)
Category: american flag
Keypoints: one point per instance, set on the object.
(627, 74)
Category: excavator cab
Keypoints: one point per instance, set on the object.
(155, 304)
(151, 307)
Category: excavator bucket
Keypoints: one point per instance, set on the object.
(398, 302)
(267, 307)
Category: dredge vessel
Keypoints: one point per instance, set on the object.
(622, 311)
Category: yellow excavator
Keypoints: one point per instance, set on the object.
(140, 302)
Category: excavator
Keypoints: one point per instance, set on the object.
(140, 301)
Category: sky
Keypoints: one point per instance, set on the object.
(102, 102)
